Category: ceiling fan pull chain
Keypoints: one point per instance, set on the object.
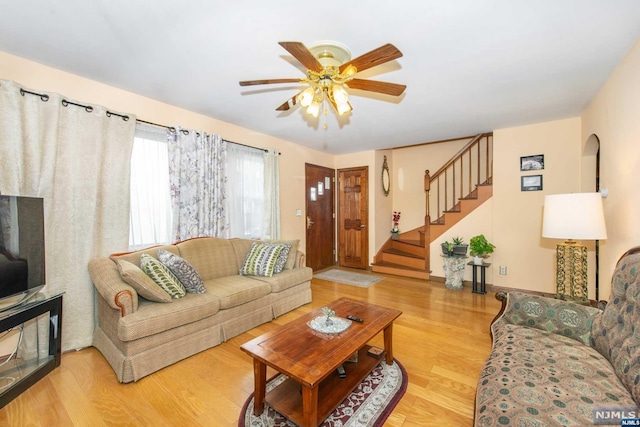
(324, 106)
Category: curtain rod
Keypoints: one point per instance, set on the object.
(186, 132)
(88, 108)
(65, 103)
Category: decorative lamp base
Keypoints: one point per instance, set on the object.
(571, 272)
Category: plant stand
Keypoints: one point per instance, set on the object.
(454, 271)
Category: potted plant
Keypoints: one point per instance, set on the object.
(395, 231)
(480, 248)
(456, 247)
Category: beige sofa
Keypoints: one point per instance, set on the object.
(138, 336)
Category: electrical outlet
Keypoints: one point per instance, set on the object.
(503, 270)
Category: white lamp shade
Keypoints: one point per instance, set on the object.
(577, 216)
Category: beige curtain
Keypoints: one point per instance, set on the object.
(79, 162)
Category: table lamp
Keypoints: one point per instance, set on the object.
(575, 216)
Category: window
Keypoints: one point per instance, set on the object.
(245, 191)
(150, 218)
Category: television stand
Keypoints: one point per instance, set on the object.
(18, 375)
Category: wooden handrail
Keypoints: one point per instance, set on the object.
(476, 158)
(458, 154)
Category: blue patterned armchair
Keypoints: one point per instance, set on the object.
(554, 362)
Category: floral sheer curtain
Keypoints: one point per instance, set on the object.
(197, 180)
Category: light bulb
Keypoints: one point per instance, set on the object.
(349, 71)
(344, 108)
(306, 97)
(340, 95)
(313, 109)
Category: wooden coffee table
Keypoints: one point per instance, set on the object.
(310, 359)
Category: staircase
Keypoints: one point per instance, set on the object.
(455, 190)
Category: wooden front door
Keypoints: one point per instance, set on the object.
(353, 217)
(320, 222)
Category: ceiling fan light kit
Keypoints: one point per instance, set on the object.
(330, 71)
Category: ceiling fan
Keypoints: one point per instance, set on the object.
(330, 70)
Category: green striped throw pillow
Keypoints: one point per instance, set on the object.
(160, 274)
(261, 259)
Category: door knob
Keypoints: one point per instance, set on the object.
(363, 225)
(309, 222)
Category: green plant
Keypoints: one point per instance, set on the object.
(479, 246)
(458, 240)
(449, 246)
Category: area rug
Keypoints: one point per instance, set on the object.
(349, 278)
(369, 404)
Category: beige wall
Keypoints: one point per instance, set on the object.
(614, 117)
(293, 157)
(517, 215)
(407, 178)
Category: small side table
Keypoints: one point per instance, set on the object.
(483, 268)
(25, 373)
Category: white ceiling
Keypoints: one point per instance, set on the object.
(470, 66)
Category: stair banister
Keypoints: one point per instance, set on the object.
(427, 223)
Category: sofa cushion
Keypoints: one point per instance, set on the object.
(162, 276)
(212, 257)
(236, 290)
(537, 377)
(261, 259)
(143, 284)
(151, 319)
(287, 278)
(616, 333)
(184, 271)
(134, 257)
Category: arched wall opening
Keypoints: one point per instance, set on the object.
(590, 182)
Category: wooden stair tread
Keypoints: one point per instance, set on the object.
(402, 253)
(398, 266)
(400, 270)
(411, 242)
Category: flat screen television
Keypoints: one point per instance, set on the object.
(22, 255)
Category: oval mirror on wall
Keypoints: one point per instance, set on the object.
(386, 179)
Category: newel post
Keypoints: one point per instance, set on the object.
(427, 222)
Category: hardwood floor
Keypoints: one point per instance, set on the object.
(442, 340)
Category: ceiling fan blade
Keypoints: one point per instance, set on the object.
(377, 86)
(289, 103)
(378, 56)
(268, 82)
(302, 54)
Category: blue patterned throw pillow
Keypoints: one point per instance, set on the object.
(261, 259)
(162, 276)
(186, 274)
(282, 258)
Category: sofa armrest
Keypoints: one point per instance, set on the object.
(300, 260)
(549, 314)
(110, 286)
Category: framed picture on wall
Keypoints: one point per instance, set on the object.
(532, 163)
(531, 183)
